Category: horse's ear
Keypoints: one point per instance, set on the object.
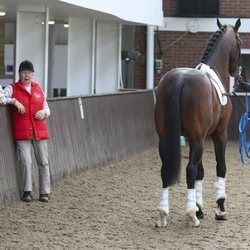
(237, 25)
(219, 24)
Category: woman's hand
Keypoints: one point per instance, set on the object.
(19, 106)
(41, 114)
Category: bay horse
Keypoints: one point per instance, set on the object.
(194, 103)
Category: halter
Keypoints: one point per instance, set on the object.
(238, 77)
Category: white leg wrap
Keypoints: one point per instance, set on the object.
(164, 206)
(191, 201)
(220, 188)
(191, 208)
(198, 190)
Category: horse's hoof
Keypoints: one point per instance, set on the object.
(193, 220)
(163, 209)
(219, 215)
(199, 213)
(162, 222)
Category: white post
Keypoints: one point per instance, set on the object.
(46, 52)
(93, 62)
(150, 57)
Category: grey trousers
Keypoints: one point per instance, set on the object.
(25, 162)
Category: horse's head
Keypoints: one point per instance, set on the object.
(235, 52)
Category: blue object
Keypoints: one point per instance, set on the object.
(244, 144)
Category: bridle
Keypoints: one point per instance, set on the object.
(239, 82)
(238, 76)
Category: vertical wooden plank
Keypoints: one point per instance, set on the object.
(114, 127)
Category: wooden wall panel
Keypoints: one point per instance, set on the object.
(114, 127)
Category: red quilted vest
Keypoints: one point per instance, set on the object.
(26, 126)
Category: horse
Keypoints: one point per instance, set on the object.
(193, 102)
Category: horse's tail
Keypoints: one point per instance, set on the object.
(169, 146)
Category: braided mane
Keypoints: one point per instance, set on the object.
(211, 44)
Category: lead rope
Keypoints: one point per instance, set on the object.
(244, 145)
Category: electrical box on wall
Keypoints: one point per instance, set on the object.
(158, 65)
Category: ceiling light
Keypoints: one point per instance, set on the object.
(49, 22)
(66, 25)
(2, 13)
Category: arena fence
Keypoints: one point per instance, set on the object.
(86, 132)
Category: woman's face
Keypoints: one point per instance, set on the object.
(26, 76)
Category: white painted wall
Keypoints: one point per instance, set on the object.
(205, 24)
(79, 56)
(30, 42)
(108, 60)
(59, 73)
(139, 11)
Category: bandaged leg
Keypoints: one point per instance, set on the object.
(163, 208)
(220, 196)
(199, 199)
(191, 208)
(220, 185)
(198, 190)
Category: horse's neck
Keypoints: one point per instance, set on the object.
(219, 59)
(221, 71)
(220, 64)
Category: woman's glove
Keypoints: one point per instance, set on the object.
(41, 114)
(19, 106)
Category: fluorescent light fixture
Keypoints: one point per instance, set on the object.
(2, 13)
(50, 22)
(66, 25)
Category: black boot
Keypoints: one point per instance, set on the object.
(27, 197)
(44, 198)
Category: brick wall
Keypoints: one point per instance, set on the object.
(234, 8)
(228, 8)
(182, 49)
(170, 7)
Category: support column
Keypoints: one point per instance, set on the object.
(150, 57)
(108, 57)
(2, 68)
(79, 77)
(31, 39)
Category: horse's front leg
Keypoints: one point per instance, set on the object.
(220, 184)
(194, 192)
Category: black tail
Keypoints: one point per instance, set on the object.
(169, 146)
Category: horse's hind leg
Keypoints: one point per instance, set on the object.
(195, 155)
(198, 190)
(163, 206)
(220, 148)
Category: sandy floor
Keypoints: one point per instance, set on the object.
(114, 207)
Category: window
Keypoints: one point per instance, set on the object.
(196, 8)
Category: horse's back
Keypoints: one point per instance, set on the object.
(199, 107)
(189, 76)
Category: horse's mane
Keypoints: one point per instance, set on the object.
(211, 44)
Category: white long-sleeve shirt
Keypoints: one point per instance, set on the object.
(8, 91)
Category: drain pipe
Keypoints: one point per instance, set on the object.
(150, 57)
